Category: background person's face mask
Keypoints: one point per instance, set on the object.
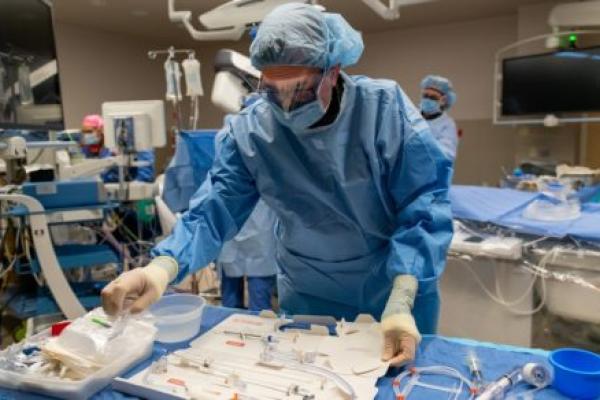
(90, 139)
(430, 107)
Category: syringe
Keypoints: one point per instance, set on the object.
(534, 374)
(475, 371)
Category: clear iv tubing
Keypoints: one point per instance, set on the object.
(341, 383)
(499, 298)
(293, 363)
(433, 370)
(219, 373)
(290, 356)
(194, 105)
(233, 368)
(225, 372)
(562, 277)
(196, 360)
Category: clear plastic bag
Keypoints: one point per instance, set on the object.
(56, 366)
(92, 341)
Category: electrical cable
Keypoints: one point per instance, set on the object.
(9, 268)
(37, 156)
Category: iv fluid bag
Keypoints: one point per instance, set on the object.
(193, 78)
(173, 78)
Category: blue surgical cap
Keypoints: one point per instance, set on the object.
(300, 34)
(441, 84)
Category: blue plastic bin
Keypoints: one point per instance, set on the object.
(576, 373)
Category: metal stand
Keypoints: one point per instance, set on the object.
(57, 282)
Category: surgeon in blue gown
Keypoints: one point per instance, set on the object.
(352, 172)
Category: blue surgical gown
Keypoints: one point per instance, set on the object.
(444, 131)
(358, 202)
(252, 251)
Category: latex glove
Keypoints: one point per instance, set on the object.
(400, 334)
(142, 285)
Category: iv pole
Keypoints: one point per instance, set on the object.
(171, 53)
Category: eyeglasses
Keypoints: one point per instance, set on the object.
(430, 96)
(290, 96)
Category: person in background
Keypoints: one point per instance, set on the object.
(92, 146)
(437, 97)
(250, 254)
(92, 137)
(350, 168)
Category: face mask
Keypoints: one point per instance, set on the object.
(90, 139)
(430, 107)
(300, 118)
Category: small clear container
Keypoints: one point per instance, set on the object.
(558, 203)
(177, 317)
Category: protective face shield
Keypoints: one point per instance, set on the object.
(290, 94)
(89, 139)
(302, 100)
(296, 102)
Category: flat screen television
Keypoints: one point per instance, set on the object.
(30, 95)
(560, 82)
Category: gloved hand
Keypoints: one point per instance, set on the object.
(400, 333)
(143, 286)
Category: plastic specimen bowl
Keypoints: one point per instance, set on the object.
(177, 317)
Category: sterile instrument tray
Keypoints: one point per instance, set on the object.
(85, 388)
(345, 366)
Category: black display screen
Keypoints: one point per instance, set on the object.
(30, 95)
(563, 81)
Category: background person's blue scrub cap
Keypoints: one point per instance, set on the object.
(441, 84)
(300, 34)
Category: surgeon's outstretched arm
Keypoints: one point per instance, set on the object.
(418, 178)
(400, 333)
(217, 211)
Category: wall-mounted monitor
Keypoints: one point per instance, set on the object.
(564, 81)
